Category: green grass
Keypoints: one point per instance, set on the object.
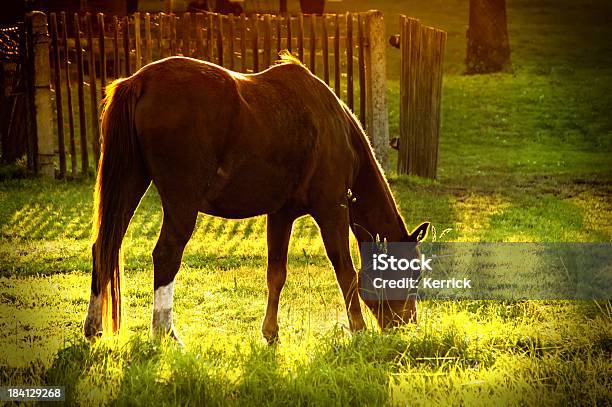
(524, 156)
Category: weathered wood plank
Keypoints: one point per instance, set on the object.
(289, 38)
(81, 96)
(102, 52)
(349, 62)
(95, 129)
(361, 65)
(220, 49)
(137, 41)
(313, 43)
(325, 49)
(186, 35)
(337, 67)
(230, 42)
(300, 37)
(209, 36)
(278, 21)
(173, 44)
(72, 144)
(267, 45)
(116, 58)
(148, 44)
(375, 45)
(255, 42)
(126, 45)
(402, 159)
(58, 94)
(199, 31)
(243, 48)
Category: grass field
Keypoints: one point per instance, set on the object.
(524, 156)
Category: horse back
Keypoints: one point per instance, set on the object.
(239, 145)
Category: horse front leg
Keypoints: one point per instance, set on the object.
(334, 227)
(279, 232)
(176, 231)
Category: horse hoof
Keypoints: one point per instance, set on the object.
(272, 339)
(90, 331)
(92, 337)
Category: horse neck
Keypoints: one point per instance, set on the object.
(374, 212)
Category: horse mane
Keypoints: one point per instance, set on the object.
(286, 57)
(370, 164)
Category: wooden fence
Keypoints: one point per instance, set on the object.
(77, 55)
(422, 51)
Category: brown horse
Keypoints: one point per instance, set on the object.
(226, 144)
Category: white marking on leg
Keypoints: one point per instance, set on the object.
(93, 320)
(162, 310)
(164, 296)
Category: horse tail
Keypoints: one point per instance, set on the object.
(120, 160)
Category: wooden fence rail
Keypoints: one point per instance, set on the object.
(422, 51)
(74, 56)
(86, 51)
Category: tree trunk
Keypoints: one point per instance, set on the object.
(488, 47)
(312, 6)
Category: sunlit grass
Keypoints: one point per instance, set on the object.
(519, 352)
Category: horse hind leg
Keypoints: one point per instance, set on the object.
(279, 232)
(177, 227)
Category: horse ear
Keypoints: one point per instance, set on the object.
(420, 233)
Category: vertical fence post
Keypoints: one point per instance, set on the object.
(137, 42)
(279, 35)
(337, 85)
(42, 94)
(200, 35)
(58, 95)
(116, 62)
(81, 95)
(402, 157)
(148, 51)
(267, 46)
(439, 69)
(232, 37)
(27, 59)
(376, 86)
(313, 43)
(288, 22)
(325, 48)
(102, 48)
(422, 51)
(361, 65)
(209, 37)
(349, 61)
(160, 34)
(186, 40)
(220, 39)
(173, 47)
(300, 37)
(126, 45)
(243, 51)
(95, 129)
(73, 157)
(255, 41)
